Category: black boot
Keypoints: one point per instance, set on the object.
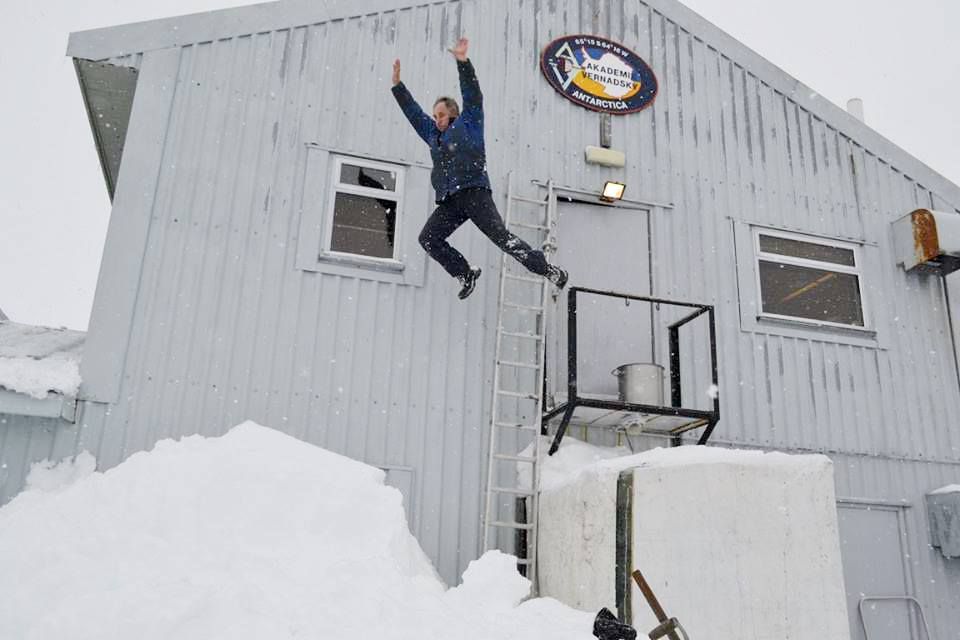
(468, 281)
(557, 276)
(607, 627)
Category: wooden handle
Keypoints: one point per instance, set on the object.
(648, 594)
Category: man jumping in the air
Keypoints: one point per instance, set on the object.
(459, 177)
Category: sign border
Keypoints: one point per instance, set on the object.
(556, 87)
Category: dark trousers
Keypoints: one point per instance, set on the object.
(477, 206)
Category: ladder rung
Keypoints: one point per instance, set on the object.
(529, 307)
(527, 225)
(524, 561)
(519, 492)
(506, 456)
(512, 525)
(530, 200)
(524, 278)
(514, 334)
(515, 425)
(524, 365)
(517, 394)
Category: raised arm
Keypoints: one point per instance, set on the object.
(421, 122)
(469, 85)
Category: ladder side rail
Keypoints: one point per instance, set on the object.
(491, 520)
(533, 549)
(495, 405)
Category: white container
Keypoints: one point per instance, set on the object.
(640, 383)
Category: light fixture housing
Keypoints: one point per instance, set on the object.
(612, 191)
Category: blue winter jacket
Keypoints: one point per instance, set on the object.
(459, 157)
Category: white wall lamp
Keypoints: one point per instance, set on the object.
(612, 191)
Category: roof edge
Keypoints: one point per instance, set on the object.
(810, 99)
(163, 33)
(55, 405)
(101, 44)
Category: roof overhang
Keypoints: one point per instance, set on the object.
(108, 97)
(54, 405)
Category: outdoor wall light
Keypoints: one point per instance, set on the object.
(612, 191)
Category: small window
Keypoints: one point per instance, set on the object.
(365, 202)
(809, 279)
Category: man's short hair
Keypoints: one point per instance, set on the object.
(451, 104)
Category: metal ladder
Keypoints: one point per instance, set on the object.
(518, 386)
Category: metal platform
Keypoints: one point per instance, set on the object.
(673, 420)
(602, 417)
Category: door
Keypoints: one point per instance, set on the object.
(873, 550)
(603, 248)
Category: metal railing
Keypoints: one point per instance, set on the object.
(698, 417)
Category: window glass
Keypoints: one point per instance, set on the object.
(368, 177)
(815, 294)
(807, 250)
(363, 225)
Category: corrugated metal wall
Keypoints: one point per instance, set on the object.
(25, 440)
(226, 328)
(931, 578)
(746, 152)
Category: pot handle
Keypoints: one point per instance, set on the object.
(617, 372)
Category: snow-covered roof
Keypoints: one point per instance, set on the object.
(35, 361)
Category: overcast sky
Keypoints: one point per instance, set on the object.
(899, 57)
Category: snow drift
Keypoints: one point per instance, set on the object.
(251, 535)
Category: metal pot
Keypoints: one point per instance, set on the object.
(640, 383)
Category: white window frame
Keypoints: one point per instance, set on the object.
(856, 270)
(393, 263)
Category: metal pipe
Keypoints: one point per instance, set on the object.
(953, 336)
(617, 294)
(676, 399)
(572, 345)
(906, 599)
(696, 314)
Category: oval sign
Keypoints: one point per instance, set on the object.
(598, 74)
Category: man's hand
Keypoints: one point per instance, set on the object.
(459, 50)
(396, 72)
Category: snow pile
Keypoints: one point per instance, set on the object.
(950, 488)
(51, 476)
(575, 457)
(254, 535)
(59, 373)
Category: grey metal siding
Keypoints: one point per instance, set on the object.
(932, 579)
(225, 328)
(27, 440)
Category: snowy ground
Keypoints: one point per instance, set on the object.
(254, 535)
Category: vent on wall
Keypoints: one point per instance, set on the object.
(943, 511)
(928, 241)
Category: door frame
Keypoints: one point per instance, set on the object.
(903, 529)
